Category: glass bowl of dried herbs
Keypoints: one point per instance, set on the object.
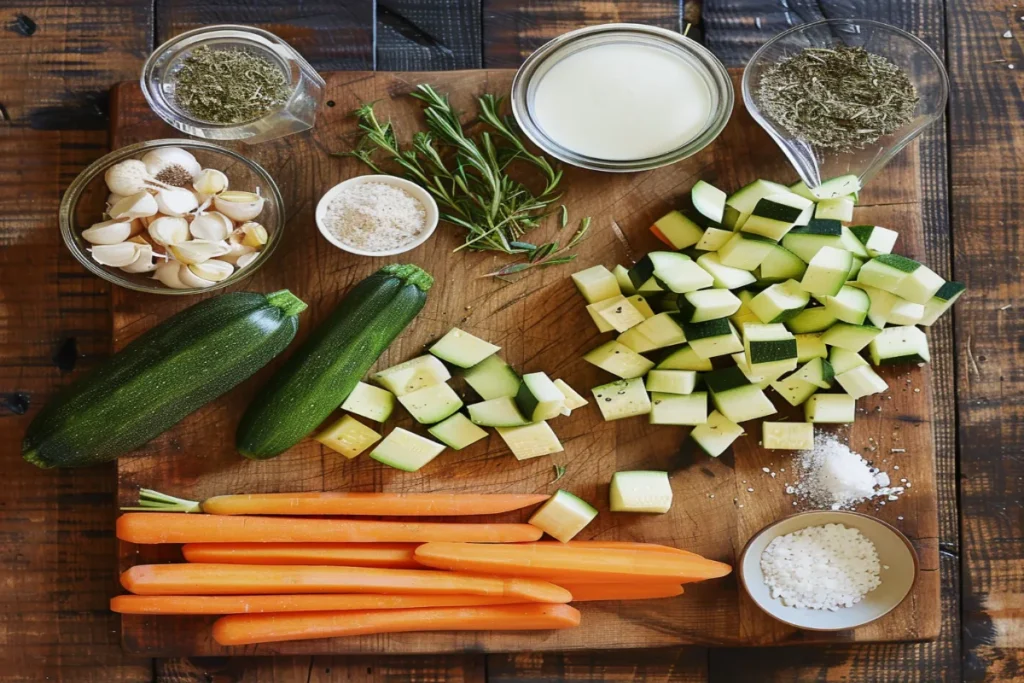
(232, 83)
(843, 96)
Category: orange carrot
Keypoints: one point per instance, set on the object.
(256, 604)
(256, 579)
(588, 592)
(384, 555)
(248, 629)
(545, 560)
(170, 527)
(619, 545)
(379, 504)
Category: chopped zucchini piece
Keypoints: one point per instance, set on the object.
(407, 377)
(493, 378)
(830, 408)
(746, 198)
(530, 441)
(790, 436)
(850, 337)
(708, 304)
(596, 284)
(724, 276)
(671, 381)
(662, 330)
(636, 341)
(806, 240)
(838, 208)
(463, 349)
(839, 186)
(640, 304)
(717, 434)
(681, 358)
(776, 214)
(745, 251)
(563, 516)
(457, 432)
(810, 345)
(814, 319)
(826, 273)
(861, 381)
(876, 240)
(780, 265)
(770, 350)
(673, 271)
(743, 314)
(617, 312)
(619, 360)
(538, 398)
(904, 277)
(941, 302)
(370, 402)
(640, 491)
(761, 380)
(712, 338)
(842, 360)
(602, 324)
(497, 412)
(713, 239)
(818, 372)
(780, 302)
(406, 451)
(430, 405)
(677, 231)
(679, 409)
(708, 200)
(849, 304)
(898, 345)
(624, 398)
(348, 436)
(794, 389)
(572, 399)
(622, 277)
(735, 397)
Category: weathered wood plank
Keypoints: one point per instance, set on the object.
(454, 669)
(677, 665)
(987, 199)
(434, 36)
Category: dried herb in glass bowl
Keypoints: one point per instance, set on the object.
(228, 85)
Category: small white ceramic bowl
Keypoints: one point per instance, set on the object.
(412, 188)
(894, 551)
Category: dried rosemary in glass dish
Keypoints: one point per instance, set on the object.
(840, 99)
(229, 85)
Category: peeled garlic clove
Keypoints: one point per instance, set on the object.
(176, 201)
(138, 205)
(254, 234)
(108, 232)
(210, 181)
(213, 226)
(143, 263)
(162, 158)
(236, 251)
(190, 279)
(168, 230)
(126, 177)
(169, 273)
(239, 206)
(245, 259)
(114, 198)
(198, 251)
(117, 255)
(213, 269)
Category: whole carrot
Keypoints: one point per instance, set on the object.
(258, 604)
(384, 555)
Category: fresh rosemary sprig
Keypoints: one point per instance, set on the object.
(544, 255)
(468, 175)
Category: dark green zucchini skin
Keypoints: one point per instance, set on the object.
(170, 371)
(322, 372)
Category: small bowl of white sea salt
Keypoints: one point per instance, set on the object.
(828, 570)
(377, 215)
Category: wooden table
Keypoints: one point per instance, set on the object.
(57, 61)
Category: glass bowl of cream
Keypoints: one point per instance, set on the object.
(622, 97)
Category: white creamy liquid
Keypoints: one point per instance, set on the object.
(621, 102)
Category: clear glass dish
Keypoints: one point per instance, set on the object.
(903, 49)
(705, 64)
(85, 200)
(294, 116)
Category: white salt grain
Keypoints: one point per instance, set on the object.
(375, 217)
(822, 567)
(833, 476)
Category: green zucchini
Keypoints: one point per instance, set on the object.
(321, 374)
(170, 371)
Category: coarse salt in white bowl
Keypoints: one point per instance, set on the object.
(417, 192)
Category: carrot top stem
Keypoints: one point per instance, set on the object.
(154, 501)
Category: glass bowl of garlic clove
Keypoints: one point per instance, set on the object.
(172, 217)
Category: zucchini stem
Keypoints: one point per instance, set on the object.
(154, 501)
(287, 302)
(411, 274)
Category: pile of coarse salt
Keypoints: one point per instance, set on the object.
(833, 476)
(375, 217)
(821, 567)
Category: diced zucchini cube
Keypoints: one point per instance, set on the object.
(919, 286)
(830, 408)
(839, 186)
(430, 405)
(463, 349)
(810, 345)
(743, 314)
(818, 372)
(619, 360)
(621, 274)
(572, 399)
(681, 358)
(677, 231)
(898, 345)
(791, 436)
(530, 441)
(842, 360)
(861, 381)
(780, 265)
(826, 273)
(625, 398)
(493, 378)
(662, 330)
(602, 324)
(596, 284)
(406, 451)
(745, 251)
(813, 319)
(850, 304)
(457, 432)
(776, 214)
(887, 271)
(538, 398)
(713, 239)
(678, 409)
(837, 208)
(942, 301)
(794, 389)
(763, 381)
(780, 302)
(618, 312)
(806, 240)
(370, 402)
(717, 434)
(708, 304)
(735, 397)
(563, 516)
(850, 337)
(671, 381)
(770, 350)
(635, 340)
(712, 338)
(640, 304)
(724, 276)
(640, 491)
(407, 377)
(905, 312)
(348, 436)
(497, 412)
(708, 200)
(876, 240)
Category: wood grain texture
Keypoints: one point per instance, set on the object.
(541, 323)
(987, 198)
(676, 665)
(418, 669)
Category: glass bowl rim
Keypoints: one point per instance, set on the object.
(719, 119)
(94, 170)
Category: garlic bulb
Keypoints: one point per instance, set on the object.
(138, 205)
(163, 158)
(126, 177)
(116, 255)
(210, 181)
(245, 259)
(239, 206)
(167, 230)
(114, 198)
(213, 226)
(255, 235)
(143, 263)
(108, 232)
(169, 273)
(198, 251)
(176, 201)
(190, 279)
(212, 270)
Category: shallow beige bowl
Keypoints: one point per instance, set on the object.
(412, 188)
(894, 551)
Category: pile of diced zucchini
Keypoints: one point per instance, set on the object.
(764, 288)
(518, 407)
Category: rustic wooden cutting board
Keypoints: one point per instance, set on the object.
(541, 324)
